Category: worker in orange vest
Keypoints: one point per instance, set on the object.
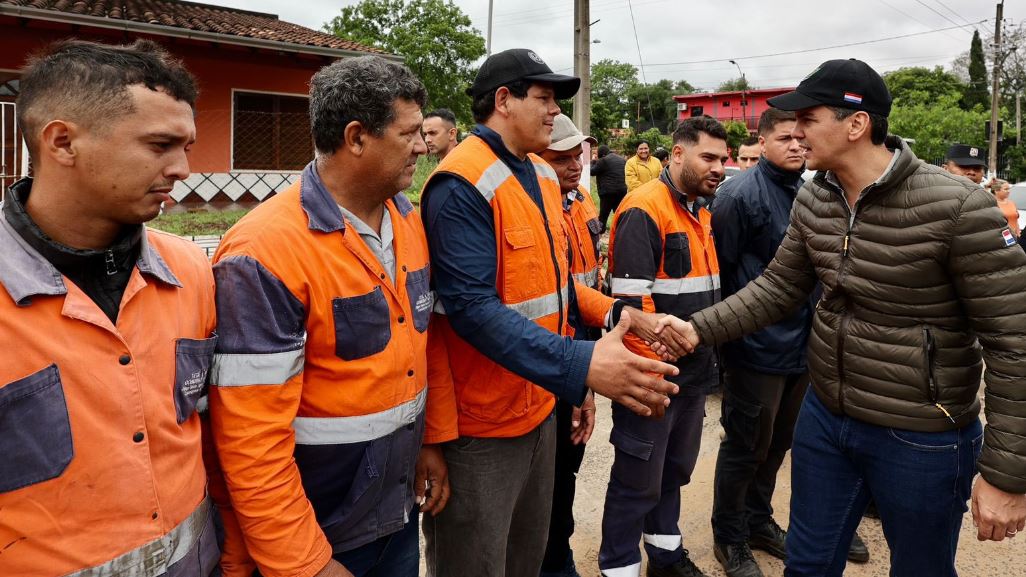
(108, 326)
(330, 394)
(493, 213)
(662, 259)
(574, 425)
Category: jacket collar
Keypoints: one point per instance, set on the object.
(902, 165)
(320, 206)
(784, 178)
(25, 272)
(494, 141)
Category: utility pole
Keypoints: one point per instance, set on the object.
(744, 95)
(995, 97)
(488, 43)
(582, 65)
(1018, 119)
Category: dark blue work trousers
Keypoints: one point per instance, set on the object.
(653, 459)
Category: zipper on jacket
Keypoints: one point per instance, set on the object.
(108, 259)
(928, 354)
(846, 317)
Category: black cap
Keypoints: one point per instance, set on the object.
(840, 83)
(965, 155)
(515, 64)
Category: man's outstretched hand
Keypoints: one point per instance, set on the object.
(685, 336)
(673, 344)
(624, 377)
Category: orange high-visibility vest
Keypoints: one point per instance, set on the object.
(583, 230)
(531, 279)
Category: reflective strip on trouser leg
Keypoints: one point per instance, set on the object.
(628, 571)
(667, 542)
(154, 558)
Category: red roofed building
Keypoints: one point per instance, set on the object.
(742, 106)
(253, 134)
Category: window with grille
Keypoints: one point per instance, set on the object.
(270, 132)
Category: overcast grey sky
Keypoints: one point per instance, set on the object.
(694, 41)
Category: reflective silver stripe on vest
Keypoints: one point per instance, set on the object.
(631, 286)
(155, 557)
(492, 178)
(545, 171)
(359, 428)
(239, 370)
(695, 284)
(542, 306)
(589, 278)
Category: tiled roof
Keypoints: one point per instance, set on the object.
(196, 17)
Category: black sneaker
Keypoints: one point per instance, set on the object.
(858, 552)
(683, 568)
(768, 537)
(737, 560)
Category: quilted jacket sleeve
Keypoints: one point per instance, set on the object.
(989, 274)
(784, 285)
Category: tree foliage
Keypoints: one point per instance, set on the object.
(1011, 62)
(977, 92)
(737, 132)
(936, 124)
(735, 85)
(611, 84)
(917, 84)
(434, 37)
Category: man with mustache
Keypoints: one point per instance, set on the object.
(924, 292)
(329, 396)
(765, 373)
(662, 259)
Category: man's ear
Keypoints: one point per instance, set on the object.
(354, 137)
(502, 98)
(860, 125)
(57, 141)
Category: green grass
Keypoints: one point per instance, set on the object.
(425, 164)
(197, 222)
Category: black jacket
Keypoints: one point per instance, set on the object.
(751, 212)
(608, 173)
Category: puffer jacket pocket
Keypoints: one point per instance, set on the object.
(363, 326)
(193, 358)
(676, 255)
(35, 430)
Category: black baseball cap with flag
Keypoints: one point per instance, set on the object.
(848, 84)
(515, 64)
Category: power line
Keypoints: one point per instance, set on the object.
(911, 17)
(641, 62)
(948, 8)
(938, 13)
(807, 50)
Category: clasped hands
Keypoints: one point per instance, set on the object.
(668, 336)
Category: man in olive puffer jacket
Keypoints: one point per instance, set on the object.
(922, 283)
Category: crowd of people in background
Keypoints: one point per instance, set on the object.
(351, 373)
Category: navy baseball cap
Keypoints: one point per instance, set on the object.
(515, 64)
(965, 155)
(848, 84)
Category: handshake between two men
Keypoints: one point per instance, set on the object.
(634, 381)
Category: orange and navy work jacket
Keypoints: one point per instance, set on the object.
(583, 231)
(532, 274)
(662, 259)
(101, 465)
(325, 381)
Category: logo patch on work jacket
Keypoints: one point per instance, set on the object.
(424, 302)
(1008, 236)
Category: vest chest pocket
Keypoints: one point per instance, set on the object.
(362, 325)
(676, 255)
(418, 290)
(192, 365)
(521, 275)
(35, 430)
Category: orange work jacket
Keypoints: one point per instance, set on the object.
(101, 468)
(662, 259)
(583, 231)
(325, 382)
(532, 279)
